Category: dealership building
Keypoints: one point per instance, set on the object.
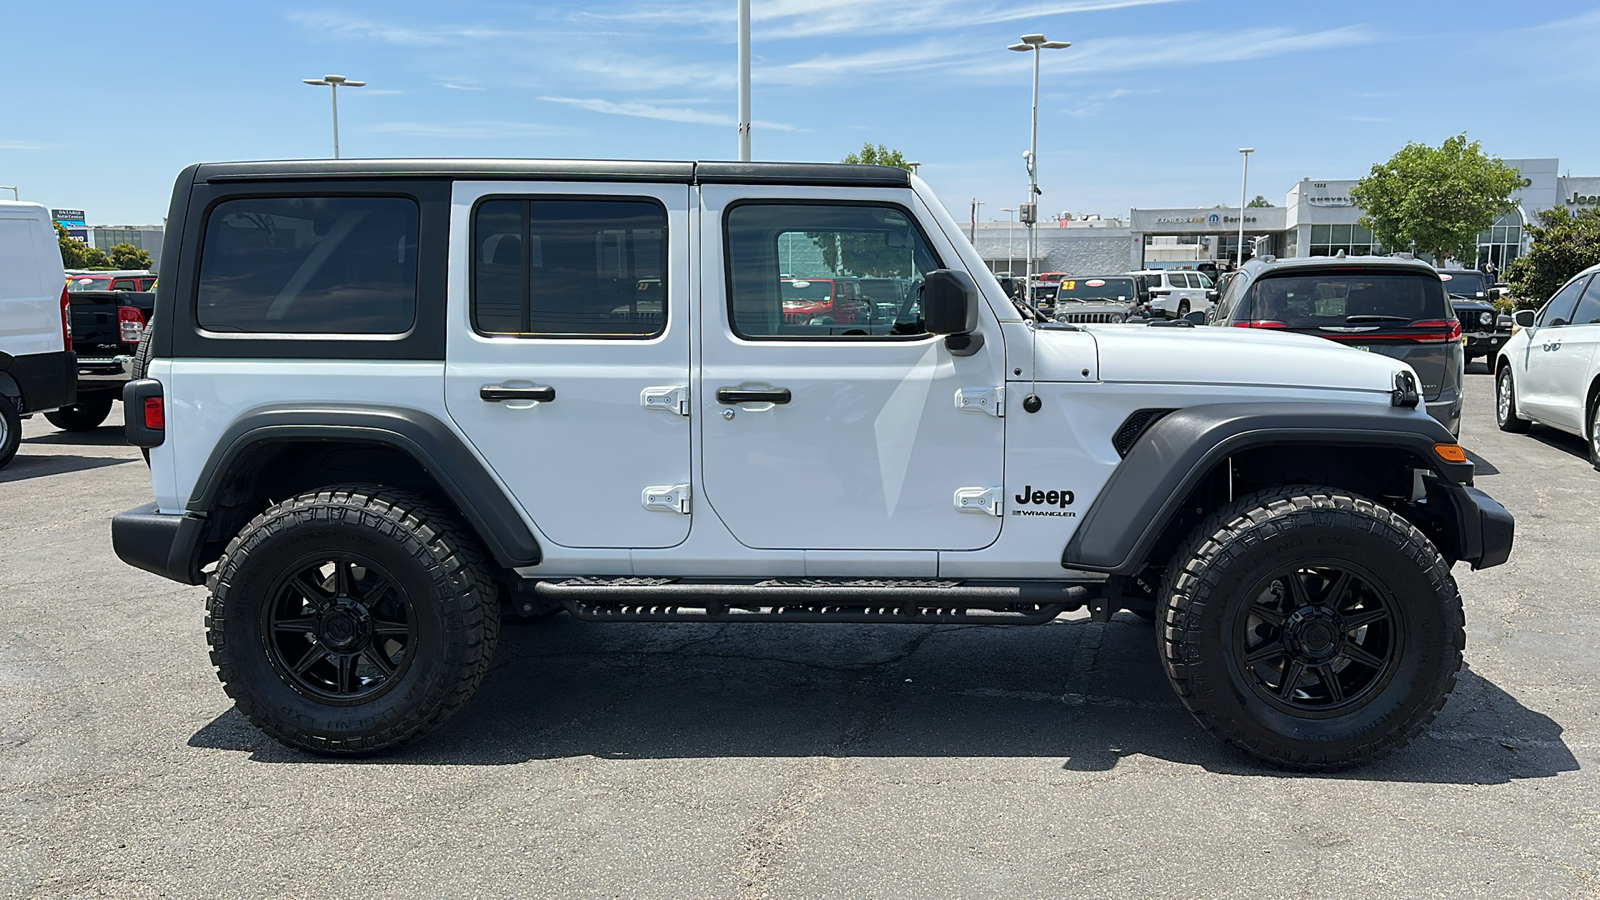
(1317, 218)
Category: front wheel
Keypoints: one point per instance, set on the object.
(85, 415)
(1505, 403)
(1310, 628)
(351, 619)
(1594, 430)
(10, 430)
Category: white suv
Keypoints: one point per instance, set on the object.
(1549, 370)
(388, 400)
(1172, 294)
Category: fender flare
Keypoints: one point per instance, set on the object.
(428, 441)
(1167, 462)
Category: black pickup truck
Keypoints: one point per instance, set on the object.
(106, 327)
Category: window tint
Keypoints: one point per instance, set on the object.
(1588, 311)
(1344, 298)
(825, 271)
(310, 265)
(1559, 310)
(1204, 279)
(569, 268)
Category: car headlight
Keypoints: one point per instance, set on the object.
(1486, 318)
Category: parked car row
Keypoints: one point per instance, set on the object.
(1549, 370)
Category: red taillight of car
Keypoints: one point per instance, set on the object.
(155, 414)
(1259, 323)
(66, 319)
(1440, 331)
(130, 322)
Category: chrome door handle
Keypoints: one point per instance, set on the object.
(495, 393)
(735, 396)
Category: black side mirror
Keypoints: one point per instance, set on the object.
(950, 308)
(1198, 317)
(1212, 295)
(1523, 318)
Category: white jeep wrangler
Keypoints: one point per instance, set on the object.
(386, 401)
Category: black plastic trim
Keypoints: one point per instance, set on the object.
(1166, 463)
(711, 172)
(168, 545)
(47, 380)
(821, 174)
(134, 394)
(421, 436)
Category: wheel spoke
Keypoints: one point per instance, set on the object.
(376, 594)
(312, 593)
(1265, 652)
(1297, 592)
(341, 578)
(385, 628)
(316, 654)
(375, 656)
(1355, 620)
(346, 683)
(1341, 586)
(1270, 616)
(1295, 671)
(1330, 680)
(1357, 654)
(296, 625)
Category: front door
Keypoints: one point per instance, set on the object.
(842, 429)
(1546, 356)
(567, 361)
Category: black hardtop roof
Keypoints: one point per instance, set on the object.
(1276, 266)
(821, 174)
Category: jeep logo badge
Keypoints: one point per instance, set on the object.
(1060, 499)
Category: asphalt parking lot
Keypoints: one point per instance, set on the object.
(780, 760)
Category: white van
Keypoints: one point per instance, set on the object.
(38, 371)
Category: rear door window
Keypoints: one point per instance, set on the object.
(309, 265)
(1339, 298)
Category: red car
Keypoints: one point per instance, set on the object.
(838, 300)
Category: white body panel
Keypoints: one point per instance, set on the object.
(1552, 369)
(1239, 356)
(31, 281)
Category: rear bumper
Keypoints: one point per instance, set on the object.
(168, 545)
(48, 380)
(110, 372)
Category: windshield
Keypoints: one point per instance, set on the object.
(89, 283)
(1356, 297)
(807, 290)
(1119, 289)
(1050, 277)
(1465, 284)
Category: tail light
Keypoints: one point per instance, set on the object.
(1441, 331)
(1260, 323)
(144, 407)
(155, 413)
(66, 319)
(130, 322)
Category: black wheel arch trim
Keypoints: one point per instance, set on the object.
(428, 441)
(1144, 492)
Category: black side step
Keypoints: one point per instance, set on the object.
(813, 600)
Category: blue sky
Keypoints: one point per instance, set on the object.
(105, 102)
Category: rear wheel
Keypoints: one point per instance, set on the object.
(1311, 628)
(1505, 403)
(85, 415)
(1183, 308)
(10, 429)
(1594, 430)
(351, 619)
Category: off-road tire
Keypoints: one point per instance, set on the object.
(141, 356)
(10, 430)
(1505, 403)
(438, 567)
(1213, 581)
(85, 415)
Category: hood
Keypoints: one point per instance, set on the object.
(1232, 356)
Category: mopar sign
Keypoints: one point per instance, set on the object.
(1213, 219)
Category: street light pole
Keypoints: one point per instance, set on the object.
(333, 82)
(1034, 43)
(1244, 180)
(744, 80)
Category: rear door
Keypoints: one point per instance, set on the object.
(1546, 357)
(30, 295)
(567, 360)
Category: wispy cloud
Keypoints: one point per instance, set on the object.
(458, 86)
(642, 110)
(475, 128)
(28, 145)
(348, 28)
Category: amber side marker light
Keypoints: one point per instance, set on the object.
(1450, 452)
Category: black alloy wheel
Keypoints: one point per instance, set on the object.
(1318, 637)
(339, 628)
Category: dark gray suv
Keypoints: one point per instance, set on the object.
(1382, 304)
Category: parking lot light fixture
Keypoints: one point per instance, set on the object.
(1034, 43)
(1243, 180)
(334, 82)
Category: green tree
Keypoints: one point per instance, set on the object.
(880, 155)
(1259, 202)
(1436, 199)
(75, 254)
(1563, 245)
(127, 256)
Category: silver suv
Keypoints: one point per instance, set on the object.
(1381, 304)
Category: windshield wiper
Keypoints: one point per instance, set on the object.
(1370, 318)
(1030, 310)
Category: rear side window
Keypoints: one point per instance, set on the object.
(1345, 298)
(1588, 311)
(569, 268)
(309, 265)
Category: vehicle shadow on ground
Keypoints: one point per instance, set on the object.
(23, 467)
(1560, 440)
(1481, 466)
(1088, 694)
(104, 436)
